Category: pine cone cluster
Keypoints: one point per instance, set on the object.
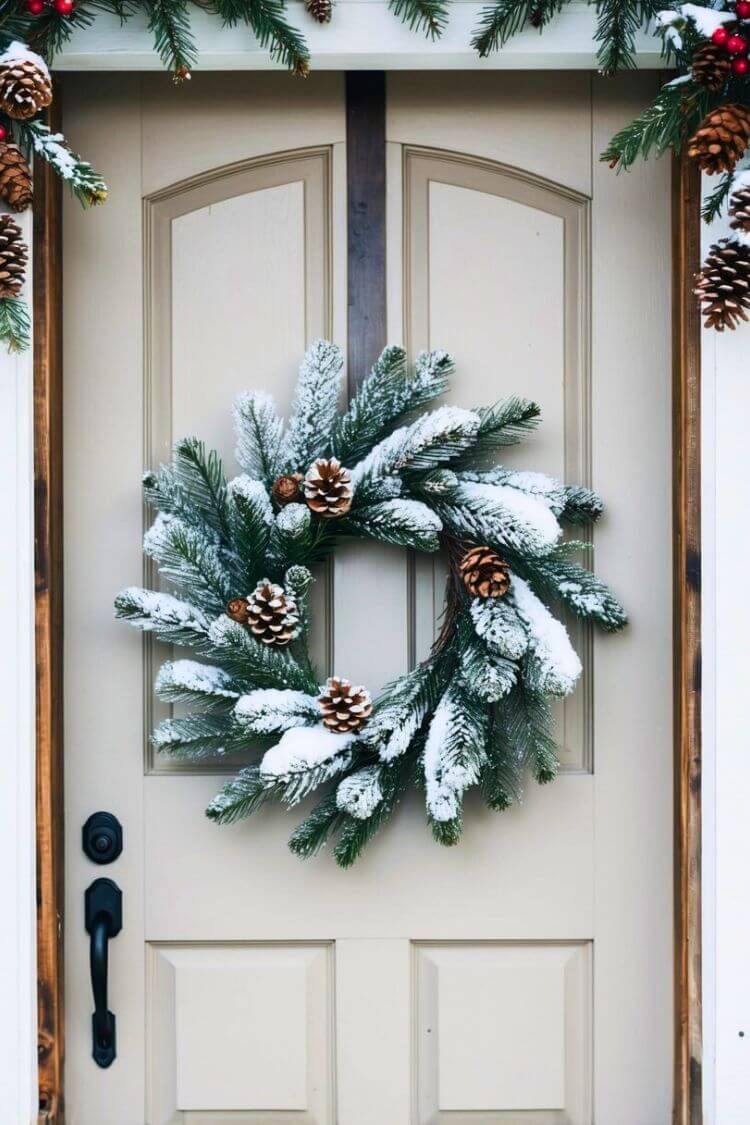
(721, 138)
(25, 86)
(15, 178)
(739, 210)
(13, 255)
(328, 488)
(484, 573)
(711, 66)
(269, 612)
(320, 10)
(345, 708)
(723, 285)
(287, 489)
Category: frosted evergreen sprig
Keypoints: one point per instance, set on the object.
(475, 713)
(86, 184)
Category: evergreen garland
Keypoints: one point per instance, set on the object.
(236, 556)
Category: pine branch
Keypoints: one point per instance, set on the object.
(201, 477)
(429, 16)
(199, 736)
(49, 32)
(287, 46)
(168, 618)
(314, 831)
(258, 429)
(506, 423)
(314, 408)
(191, 561)
(232, 647)
(85, 183)
(503, 19)
(713, 204)
(239, 797)
(15, 324)
(356, 834)
(169, 22)
(673, 115)
(526, 723)
(198, 685)
(617, 25)
(559, 577)
(405, 523)
(250, 522)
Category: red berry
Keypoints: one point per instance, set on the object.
(736, 44)
(740, 66)
(35, 7)
(742, 8)
(720, 36)
(63, 7)
(3, 132)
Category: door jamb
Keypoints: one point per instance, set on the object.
(47, 314)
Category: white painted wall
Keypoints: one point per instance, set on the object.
(726, 747)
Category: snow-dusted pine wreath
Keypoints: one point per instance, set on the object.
(238, 553)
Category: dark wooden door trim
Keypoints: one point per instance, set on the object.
(48, 529)
(686, 462)
(366, 288)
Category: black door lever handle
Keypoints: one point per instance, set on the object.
(103, 921)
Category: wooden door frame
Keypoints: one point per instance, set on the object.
(686, 460)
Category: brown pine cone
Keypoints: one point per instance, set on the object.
(328, 488)
(484, 573)
(237, 609)
(721, 138)
(712, 66)
(15, 178)
(345, 708)
(320, 10)
(25, 85)
(723, 285)
(286, 489)
(739, 209)
(13, 255)
(272, 614)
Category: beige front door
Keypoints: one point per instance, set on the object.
(524, 976)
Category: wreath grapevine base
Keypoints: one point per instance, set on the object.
(238, 556)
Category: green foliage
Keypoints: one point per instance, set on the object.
(356, 834)
(235, 650)
(215, 690)
(239, 797)
(503, 19)
(525, 734)
(560, 578)
(171, 620)
(453, 758)
(169, 23)
(84, 182)
(405, 523)
(316, 829)
(191, 561)
(713, 204)
(258, 429)
(617, 25)
(199, 736)
(506, 423)
(582, 505)
(429, 16)
(201, 477)
(250, 521)
(15, 324)
(672, 116)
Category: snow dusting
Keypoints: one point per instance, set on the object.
(499, 626)
(554, 663)
(301, 749)
(273, 711)
(361, 793)
(192, 677)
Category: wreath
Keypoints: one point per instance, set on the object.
(476, 711)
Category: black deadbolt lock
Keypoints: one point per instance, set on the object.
(102, 837)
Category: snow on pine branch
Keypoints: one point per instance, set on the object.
(86, 184)
(453, 755)
(190, 560)
(432, 439)
(360, 793)
(315, 406)
(258, 429)
(502, 517)
(262, 666)
(499, 626)
(304, 758)
(188, 681)
(168, 617)
(552, 664)
(406, 523)
(273, 711)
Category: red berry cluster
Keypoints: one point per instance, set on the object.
(735, 44)
(62, 7)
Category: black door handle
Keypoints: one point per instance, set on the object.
(103, 921)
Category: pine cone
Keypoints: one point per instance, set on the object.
(237, 609)
(25, 85)
(328, 489)
(15, 178)
(712, 66)
(345, 708)
(484, 573)
(320, 10)
(721, 138)
(723, 285)
(13, 255)
(272, 614)
(286, 489)
(739, 209)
